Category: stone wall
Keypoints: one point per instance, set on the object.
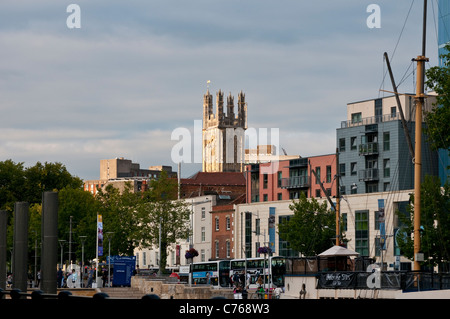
(167, 290)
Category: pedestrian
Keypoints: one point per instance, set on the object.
(104, 277)
(59, 277)
(90, 277)
(74, 277)
(38, 275)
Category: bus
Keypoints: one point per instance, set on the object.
(272, 276)
(216, 273)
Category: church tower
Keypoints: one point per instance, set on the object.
(223, 134)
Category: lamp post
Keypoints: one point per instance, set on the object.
(83, 239)
(108, 236)
(61, 243)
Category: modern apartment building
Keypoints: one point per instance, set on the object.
(443, 39)
(373, 150)
(286, 179)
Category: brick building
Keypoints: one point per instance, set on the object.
(286, 179)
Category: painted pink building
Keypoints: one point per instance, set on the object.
(286, 179)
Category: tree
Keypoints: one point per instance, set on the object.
(311, 229)
(82, 207)
(161, 212)
(118, 211)
(438, 119)
(435, 223)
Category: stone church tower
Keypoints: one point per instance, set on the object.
(223, 134)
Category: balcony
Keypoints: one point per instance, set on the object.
(368, 149)
(370, 174)
(295, 182)
(371, 120)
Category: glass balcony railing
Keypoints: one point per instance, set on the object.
(368, 149)
(370, 174)
(295, 182)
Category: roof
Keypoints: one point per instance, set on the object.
(215, 178)
(338, 251)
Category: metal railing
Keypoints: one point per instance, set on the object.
(371, 120)
(295, 182)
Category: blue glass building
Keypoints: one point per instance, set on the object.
(443, 38)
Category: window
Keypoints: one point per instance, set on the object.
(265, 180)
(386, 141)
(228, 221)
(387, 187)
(356, 117)
(362, 232)
(203, 212)
(279, 178)
(257, 227)
(372, 187)
(216, 243)
(386, 167)
(393, 111)
(279, 196)
(217, 223)
(228, 247)
(342, 144)
(353, 145)
(265, 197)
(318, 193)
(342, 169)
(203, 234)
(328, 174)
(353, 168)
(317, 175)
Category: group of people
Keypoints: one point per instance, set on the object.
(240, 287)
(74, 279)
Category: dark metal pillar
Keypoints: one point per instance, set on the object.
(49, 251)
(20, 252)
(3, 247)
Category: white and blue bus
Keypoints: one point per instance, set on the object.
(271, 270)
(216, 273)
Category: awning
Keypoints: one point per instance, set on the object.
(338, 251)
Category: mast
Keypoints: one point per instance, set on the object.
(419, 99)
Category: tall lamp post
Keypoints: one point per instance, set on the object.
(83, 239)
(108, 236)
(61, 243)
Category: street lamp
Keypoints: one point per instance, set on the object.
(83, 239)
(108, 236)
(61, 243)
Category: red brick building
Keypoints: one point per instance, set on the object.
(286, 179)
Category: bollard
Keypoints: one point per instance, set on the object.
(20, 252)
(49, 233)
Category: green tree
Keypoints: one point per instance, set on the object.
(438, 120)
(118, 211)
(82, 207)
(161, 212)
(435, 223)
(12, 181)
(311, 230)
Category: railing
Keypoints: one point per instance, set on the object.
(405, 281)
(370, 174)
(371, 120)
(295, 182)
(368, 149)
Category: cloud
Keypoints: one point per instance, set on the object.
(137, 70)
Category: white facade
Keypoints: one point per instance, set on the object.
(200, 221)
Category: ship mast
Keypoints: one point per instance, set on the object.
(419, 99)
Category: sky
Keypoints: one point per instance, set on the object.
(135, 71)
